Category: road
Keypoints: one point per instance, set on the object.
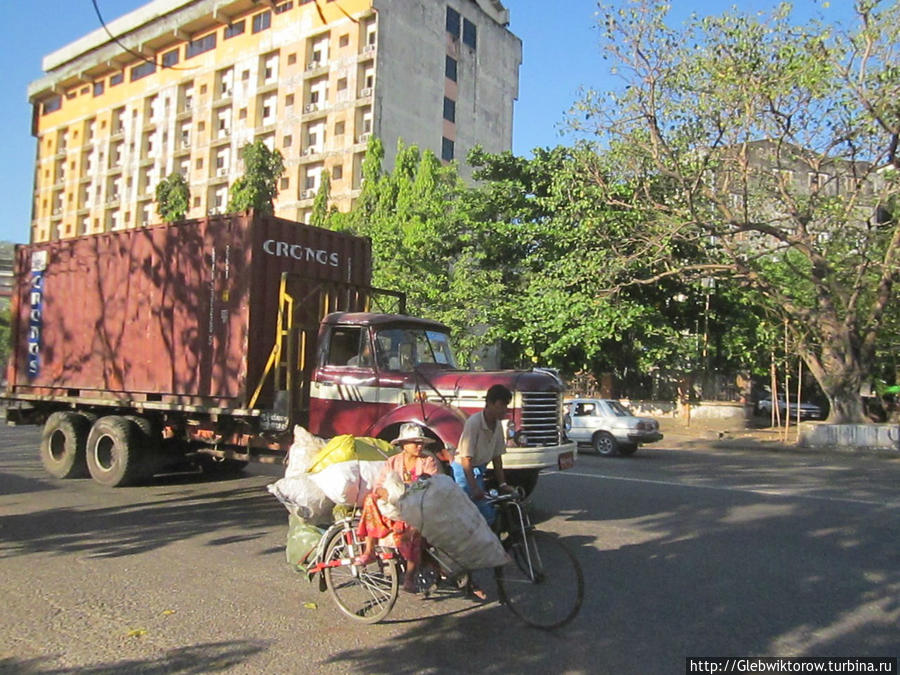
(690, 551)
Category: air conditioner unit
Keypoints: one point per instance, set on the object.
(57, 212)
(365, 91)
(185, 142)
(310, 107)
(364, 138)
(212, 212)
(222, 171)
(308, 194)
(368, 49)
(312, 65)
(310, 150)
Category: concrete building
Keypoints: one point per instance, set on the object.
(183, 85)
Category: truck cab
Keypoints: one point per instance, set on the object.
(373, 372)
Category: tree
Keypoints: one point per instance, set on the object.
(765, 146)
(319, 215)
(173, 198)
(258, 187)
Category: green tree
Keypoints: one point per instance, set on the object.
(765, 146)
(173, 198)
(258, 187)
(319, 217)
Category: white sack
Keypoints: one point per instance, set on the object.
(448, 519)
(395, 488)
(348, 482)
(301, 453)
(303, 498)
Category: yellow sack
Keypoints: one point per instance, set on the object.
(347, 447)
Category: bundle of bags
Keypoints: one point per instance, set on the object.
(343, 471)
(321, 473)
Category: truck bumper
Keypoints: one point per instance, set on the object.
(546, 457)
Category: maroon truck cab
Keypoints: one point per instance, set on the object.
(374, 372)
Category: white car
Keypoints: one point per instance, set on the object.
(608, 426)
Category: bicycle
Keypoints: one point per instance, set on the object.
(542, 584)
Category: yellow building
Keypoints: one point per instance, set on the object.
(182, 85)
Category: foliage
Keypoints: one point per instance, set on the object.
(173, 198)
(762, 148)
(258, 187)
(319, 216)
(423, 244)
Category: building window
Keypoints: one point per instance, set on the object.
(450, 68)
(283, 7)
(469, 33)
(262, 21)
(446, 149)
(453, 22)
(169, 59)
(234, 29)
(289, 101)
(337, 172)
(118, 78)
(449, 109)
(344, 40)
(51, 105)
(98, 88)
(287, 141)
(143, 70)
(285, 183)
(204, 44)
(292, 59)
(339, 128)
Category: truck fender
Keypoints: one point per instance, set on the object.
(442, 422)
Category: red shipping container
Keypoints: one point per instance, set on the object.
(182, 314)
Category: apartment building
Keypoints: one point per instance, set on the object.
(183, 85)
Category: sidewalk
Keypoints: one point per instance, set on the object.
(733, 435)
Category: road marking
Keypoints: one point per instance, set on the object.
(720, 488)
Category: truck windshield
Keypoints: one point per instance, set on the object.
(405, 348)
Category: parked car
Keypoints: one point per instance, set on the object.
(608, 426)
(808, 411)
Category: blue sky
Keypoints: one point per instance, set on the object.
(560, 54)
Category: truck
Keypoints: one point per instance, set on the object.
(210, 339)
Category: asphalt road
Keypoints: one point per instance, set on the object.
(689, 551)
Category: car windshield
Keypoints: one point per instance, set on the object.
(403, 349)
(618, 409)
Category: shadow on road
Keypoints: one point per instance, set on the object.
(206, 658)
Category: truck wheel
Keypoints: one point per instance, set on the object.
(605, 444)
(114, 452)
(522, 478)
(63, 445)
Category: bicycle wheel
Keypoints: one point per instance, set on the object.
(543, 584)
(365, 594)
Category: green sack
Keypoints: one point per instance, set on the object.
(302, 541)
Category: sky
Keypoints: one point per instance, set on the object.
(560, 45)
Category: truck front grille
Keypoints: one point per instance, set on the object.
(540, 418)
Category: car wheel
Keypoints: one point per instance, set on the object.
(628, 449)
(605, 444)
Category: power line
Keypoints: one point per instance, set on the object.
(138, 55)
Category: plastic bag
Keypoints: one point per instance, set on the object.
(344, 448)
(302, 452)
(448, 519)
(348, 482)
(303, 498)
(302, 541)
(395, 488)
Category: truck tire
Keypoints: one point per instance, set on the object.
(63, 444)
(114, 452)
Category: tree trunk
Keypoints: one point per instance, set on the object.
(839, 374)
